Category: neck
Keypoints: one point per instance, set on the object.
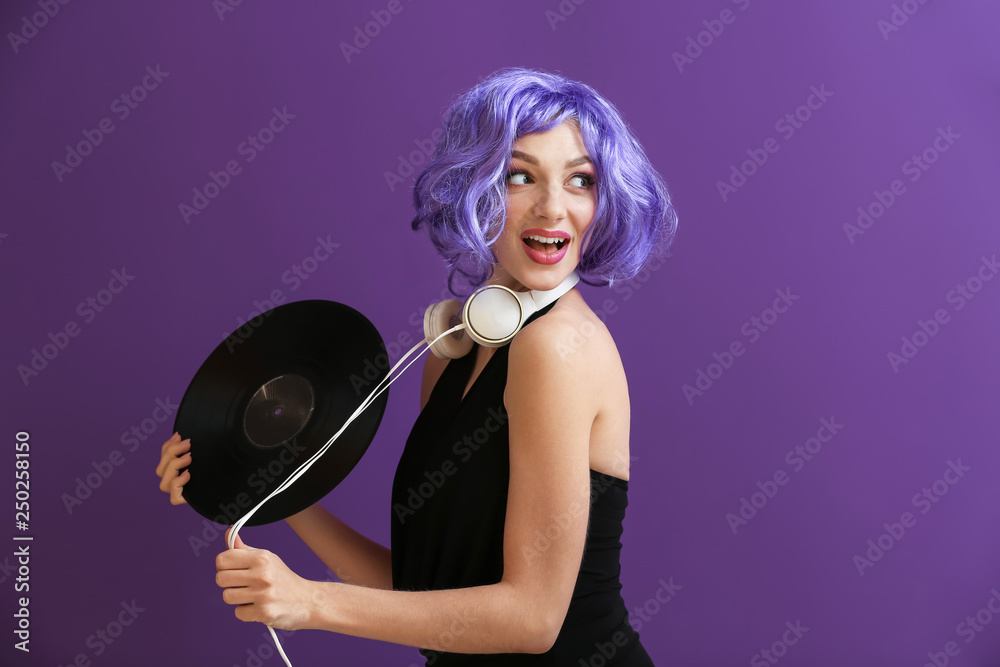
(501, 277)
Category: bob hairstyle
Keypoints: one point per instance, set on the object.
(461, 195)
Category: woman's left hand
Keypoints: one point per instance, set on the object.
(264, 588)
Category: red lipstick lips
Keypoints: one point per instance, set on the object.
(545, 246)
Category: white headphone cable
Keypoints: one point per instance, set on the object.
(301, 470)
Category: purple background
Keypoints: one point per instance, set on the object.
(325, 176)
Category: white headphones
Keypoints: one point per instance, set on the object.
(492, 315)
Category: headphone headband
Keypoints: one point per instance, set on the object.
(494, 313)
(543, 299)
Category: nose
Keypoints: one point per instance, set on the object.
(550, 202)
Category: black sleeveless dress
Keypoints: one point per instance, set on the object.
(449, 501)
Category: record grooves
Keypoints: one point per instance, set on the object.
(264, 403)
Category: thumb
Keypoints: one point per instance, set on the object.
(238, 544)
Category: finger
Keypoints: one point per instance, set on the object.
(238, 595)
(246, 613)
(233, 559)
(176, 437)
(231, 578)
(177, 490)
(239, 541)
(176, 449)
(170, 454)
(167, 480)
(171, 472)
(182, 461)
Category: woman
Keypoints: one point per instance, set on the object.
(510, 493)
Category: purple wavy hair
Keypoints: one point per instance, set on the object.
(461, 195)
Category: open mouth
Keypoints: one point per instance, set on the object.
(544, 244)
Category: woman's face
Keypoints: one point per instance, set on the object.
(552, 195)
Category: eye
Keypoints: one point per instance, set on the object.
(521, 177)
(517, 174)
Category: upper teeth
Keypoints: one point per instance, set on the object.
(546, 239)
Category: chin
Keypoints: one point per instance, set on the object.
(543, 279)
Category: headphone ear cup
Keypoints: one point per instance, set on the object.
(494, 314)
(440, 317)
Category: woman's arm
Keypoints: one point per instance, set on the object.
(552, 398)
(351, 556)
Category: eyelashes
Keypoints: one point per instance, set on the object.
(588, 180)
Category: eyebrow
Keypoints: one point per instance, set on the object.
(583, 159)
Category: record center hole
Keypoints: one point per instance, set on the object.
(279, 410)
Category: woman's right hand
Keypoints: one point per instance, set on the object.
(174, 456)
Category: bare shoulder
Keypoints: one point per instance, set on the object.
(564, 368)
(569, 340)
(570, 329)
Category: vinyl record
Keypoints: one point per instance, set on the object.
(270, 396)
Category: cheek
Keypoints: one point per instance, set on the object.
(506, 244)
(586, 213)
